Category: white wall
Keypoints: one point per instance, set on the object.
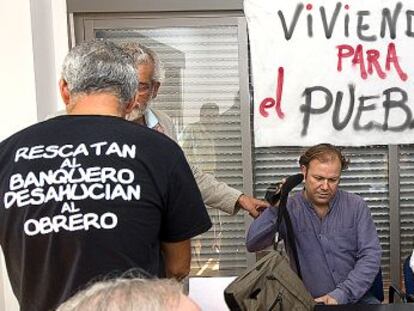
(17, 86)
(34, 42)
(17, 90)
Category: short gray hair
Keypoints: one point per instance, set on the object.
(144, 55)
(122, 294)
(100, 67)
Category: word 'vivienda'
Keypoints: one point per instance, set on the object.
(388, 23)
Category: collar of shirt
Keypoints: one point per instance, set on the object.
(310, 206)
(151, 119)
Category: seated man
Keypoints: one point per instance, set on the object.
(89, 194)
(338, 247)
(131, 295)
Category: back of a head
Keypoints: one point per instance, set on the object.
(100, 67)
(144, 55)
(127, 295)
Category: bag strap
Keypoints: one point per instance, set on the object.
(283, 214)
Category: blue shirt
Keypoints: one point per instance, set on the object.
(339, 255)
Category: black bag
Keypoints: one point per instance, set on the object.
(271, 284)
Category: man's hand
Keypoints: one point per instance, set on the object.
(252, 205)
(327, 300)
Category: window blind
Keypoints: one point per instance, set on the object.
(406, 200)
(200, 94)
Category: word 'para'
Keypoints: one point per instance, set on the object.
(369, 60)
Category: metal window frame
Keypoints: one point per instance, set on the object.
(394, 199)
(85, 25)
(76, 6)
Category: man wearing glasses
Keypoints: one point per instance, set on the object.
(214, 193)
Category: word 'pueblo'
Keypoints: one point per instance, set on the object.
(358, 107)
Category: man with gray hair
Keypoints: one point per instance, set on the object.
(131, 295)
(88, 193)
(215, 194)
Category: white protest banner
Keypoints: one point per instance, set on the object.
(329, 71)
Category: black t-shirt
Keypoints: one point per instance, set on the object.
(87, 196)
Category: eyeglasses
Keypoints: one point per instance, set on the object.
(144, 86)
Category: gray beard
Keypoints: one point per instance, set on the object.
(138, 112)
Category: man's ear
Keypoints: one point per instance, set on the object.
(304, 171)
(64, 91)
(156, 86)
